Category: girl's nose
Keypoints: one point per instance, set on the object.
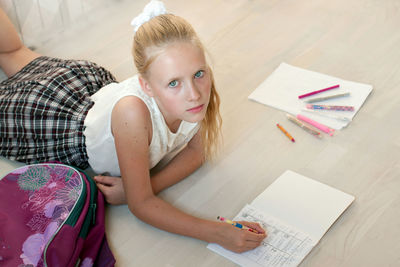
(192, 92)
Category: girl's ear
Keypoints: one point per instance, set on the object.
(145, 86)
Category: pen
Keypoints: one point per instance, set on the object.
(236, 224)
(327, 97)
(285, 132)
(319, 91)
(303, 126)
(325, 114)
(328, 107)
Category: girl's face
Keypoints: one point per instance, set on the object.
(179, 80)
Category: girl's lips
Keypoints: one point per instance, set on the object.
(196, 109)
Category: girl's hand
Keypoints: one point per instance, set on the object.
(240, 240)
(112, 189)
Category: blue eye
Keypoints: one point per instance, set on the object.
(199, 74)
(173, 83)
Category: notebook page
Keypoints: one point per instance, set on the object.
(304, 203)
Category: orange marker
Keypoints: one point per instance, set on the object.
(285, 132)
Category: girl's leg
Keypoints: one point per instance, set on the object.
(13, 54)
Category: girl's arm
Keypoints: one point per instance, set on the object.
(182, 165)
(131, 126)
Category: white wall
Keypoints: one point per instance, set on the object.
(39, 20)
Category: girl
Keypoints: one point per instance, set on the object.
(75, 112)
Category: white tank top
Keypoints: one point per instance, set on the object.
(100, 144)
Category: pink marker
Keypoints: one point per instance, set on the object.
(319, 91)
(318, 125)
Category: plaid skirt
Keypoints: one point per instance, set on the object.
(43, 108)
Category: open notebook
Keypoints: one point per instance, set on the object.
(296, 211)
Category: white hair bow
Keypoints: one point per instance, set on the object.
(151, 10)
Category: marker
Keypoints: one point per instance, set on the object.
(285, 132)
(319, 91)
(318, 125)
(236, 224)
(318, 99)
(303, 126)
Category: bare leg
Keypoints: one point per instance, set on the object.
(13, 54)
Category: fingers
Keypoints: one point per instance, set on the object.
(103, 188)
(255, 238)
(112, 189)
(245, 240)
(238, 240)
(255, 226)
(252, 239)
(106, 180)
(246, 245)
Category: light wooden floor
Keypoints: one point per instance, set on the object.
(355, 40)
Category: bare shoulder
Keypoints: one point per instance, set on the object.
(131, 115)
(130, 105)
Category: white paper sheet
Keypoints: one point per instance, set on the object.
(281, 90)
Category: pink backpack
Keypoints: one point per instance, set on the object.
(52, 215)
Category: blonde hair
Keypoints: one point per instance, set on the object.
(150, 39)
